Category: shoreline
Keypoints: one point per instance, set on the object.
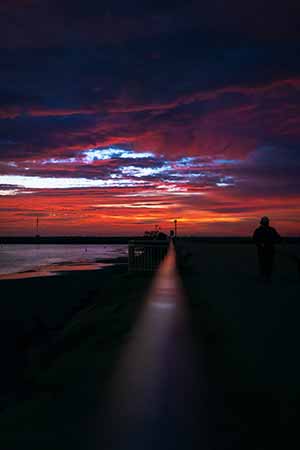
(60, 267)
(123, 240)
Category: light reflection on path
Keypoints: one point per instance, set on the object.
(155, 390)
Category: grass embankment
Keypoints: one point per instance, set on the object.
(67, 379)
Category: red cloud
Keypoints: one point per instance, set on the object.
(232, 127)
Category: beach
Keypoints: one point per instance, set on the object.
(245, 333)
(24, 260)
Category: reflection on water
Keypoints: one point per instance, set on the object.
(23, 261)
(55, 269)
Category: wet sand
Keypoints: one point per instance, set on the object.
(54, 269)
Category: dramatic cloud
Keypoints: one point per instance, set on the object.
(129, 114)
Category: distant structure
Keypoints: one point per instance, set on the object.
(155, 234)
(175, 227)
(37, 234)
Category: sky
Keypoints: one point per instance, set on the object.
(117, 116)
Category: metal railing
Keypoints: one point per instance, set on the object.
(155, 381)
(146, 255)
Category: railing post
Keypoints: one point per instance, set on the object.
(146, 255)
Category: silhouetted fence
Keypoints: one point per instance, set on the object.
(146, 256)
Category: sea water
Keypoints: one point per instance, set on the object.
(16, 258)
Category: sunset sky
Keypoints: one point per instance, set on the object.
(117, 116)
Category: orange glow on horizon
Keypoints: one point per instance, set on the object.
(82, 214)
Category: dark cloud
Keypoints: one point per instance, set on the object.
(218, 81)
(72, 22)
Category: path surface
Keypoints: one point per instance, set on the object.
(249, 333)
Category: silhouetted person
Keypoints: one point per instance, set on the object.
(265, 238)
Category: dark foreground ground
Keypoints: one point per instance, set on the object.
(250, 335)
(53, 384)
